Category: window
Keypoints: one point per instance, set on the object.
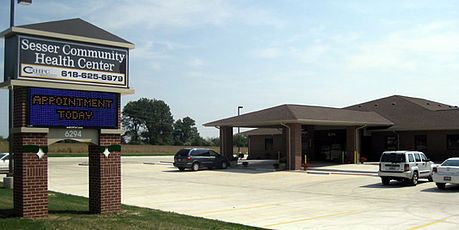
(393, 157)
(452, 142)
(214, 154)
(391, 143)
(423, 157)
(450, 163)
(269, 144)
(200, 153)
(417, 157)
(420, 142)
(182, 153)
(410, 157)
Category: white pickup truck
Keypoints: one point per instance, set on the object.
(407, 166)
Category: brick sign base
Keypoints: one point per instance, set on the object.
(31, 176)
(105, 177)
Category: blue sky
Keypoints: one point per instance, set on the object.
(204, 57)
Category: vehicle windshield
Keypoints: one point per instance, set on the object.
(451, 163)
(182, 153)
(2, 155)
(393, 157)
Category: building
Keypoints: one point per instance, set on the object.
(356, 133)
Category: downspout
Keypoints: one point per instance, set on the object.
(357, 134)
(398, 139)
(288, 146)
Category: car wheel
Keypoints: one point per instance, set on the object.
(414, 179)
(224, 165)
(441, 186)
(430, 179)
(385, 180)
(195, 167)
(181, 168)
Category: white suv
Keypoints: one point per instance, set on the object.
(406, 166)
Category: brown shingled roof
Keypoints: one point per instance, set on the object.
(312, 115)
(77, 27)
(408, 113)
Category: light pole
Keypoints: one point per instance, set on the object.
(22, 2)
(239, 128)
(11, 94)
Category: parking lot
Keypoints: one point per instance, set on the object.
(277, 200)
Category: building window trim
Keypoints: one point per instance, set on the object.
(420, 142)
(391, 142)
(452, 142)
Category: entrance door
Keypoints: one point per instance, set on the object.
(329, 145)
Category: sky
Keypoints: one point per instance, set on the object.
(206, 57)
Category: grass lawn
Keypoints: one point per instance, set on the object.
(122, 154)
(71, 212)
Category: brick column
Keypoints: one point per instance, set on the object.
(226, 141)
(30, 176)
(105, 177)
(295, 147)
(352, 144)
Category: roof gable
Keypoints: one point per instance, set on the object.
(410, 113)
(74, 29)
(75, 26)
(427, 104)
(313, 115)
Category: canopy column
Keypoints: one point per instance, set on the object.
(352, 144)
(226, 141)
(294, 146)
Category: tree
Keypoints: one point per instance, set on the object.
(133, 121)
(185, 131)
(213, 141)
(148, 121)
(240, 140)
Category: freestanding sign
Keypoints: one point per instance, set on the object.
(65, 79)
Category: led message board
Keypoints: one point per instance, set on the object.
(62, 61)
(71, 108)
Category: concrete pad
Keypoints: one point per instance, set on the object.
(277, 200)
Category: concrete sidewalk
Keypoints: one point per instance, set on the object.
(274, 200)
(351, 169)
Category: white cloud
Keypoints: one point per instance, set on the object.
(267, 53)
(310, 54)
(196, 63)
(433, 45)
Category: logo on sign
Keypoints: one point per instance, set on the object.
(37, 71)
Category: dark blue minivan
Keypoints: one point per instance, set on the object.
(194, 159)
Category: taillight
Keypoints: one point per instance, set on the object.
(434, 169)
(406, 167)
(188, 158)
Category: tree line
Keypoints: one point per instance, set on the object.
(150, 121)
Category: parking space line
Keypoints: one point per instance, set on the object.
(310, 218)
(189, 199)
(234, 209)
(428, 224)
